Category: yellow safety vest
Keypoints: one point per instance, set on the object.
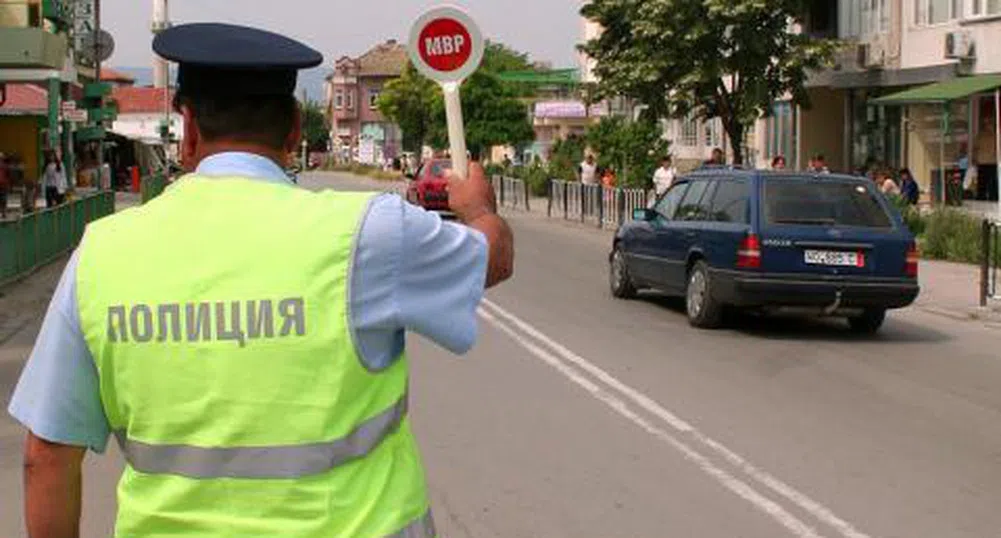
(217, 316)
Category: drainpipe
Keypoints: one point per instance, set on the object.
(997, 141)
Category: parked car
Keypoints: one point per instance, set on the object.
(428, 187)
(819, 244)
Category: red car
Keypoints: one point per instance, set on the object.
(428, 187)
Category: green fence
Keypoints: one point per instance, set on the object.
(36, 239)
(152, 186)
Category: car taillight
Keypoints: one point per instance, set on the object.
(911, 267)
(749, 253)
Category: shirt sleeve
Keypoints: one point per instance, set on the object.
(58, 396)
(413, 271)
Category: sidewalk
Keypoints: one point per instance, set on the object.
(947, 289)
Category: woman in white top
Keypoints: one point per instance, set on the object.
(54, 180)
(663, 178)
(589, 171)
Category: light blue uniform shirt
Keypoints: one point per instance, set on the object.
(411, 271)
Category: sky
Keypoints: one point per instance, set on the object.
(547, 29)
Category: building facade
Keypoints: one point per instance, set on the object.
(861, 116)
(358, 130)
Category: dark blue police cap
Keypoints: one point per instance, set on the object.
(229, 60)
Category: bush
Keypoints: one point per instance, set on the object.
(952, 235)
(912, 216)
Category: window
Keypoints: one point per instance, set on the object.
(338, 99)
(667, 206)
(863, 18)
(781, 133)
(690, 131)
(934, 11)
(982, 8)
(373, 99)
(730, 204)
(349, 97)
(712, 130)
(691, 205)
(803, 201)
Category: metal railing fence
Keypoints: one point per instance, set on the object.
(37, 238)
(596, 204)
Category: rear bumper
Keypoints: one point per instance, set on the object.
(771, 290)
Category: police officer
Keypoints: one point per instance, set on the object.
(243, 339)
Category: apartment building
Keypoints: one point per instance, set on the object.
(358, 129)
(914, 86)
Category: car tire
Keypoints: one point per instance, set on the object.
(869, 322)
(618, 276)
(704, 311)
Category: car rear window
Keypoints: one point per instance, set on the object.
(440, 168)
(823, 201)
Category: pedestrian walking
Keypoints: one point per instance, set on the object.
(664, 177)
(243, 338)
(818, 164)
(717, 158)
(779, 162)
(54, 182)
(588, 171)
(909, 189)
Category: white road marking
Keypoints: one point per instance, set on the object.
(762, 477)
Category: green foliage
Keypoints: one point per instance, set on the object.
(407, 101)
(492, 113)
(316, 128)
(567, 154)
(952, 235)
(911, 214)
(632, 149)
(719, 58)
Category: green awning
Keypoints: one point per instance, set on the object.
(556, 77)
(941, 92)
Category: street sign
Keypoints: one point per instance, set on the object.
(446, 46)
(67, 106)
(75, 116)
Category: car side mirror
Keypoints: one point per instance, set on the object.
(643, 213)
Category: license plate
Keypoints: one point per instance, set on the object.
(835, 258)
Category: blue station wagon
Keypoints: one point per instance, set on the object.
(822, 244)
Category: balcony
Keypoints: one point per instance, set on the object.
(31, 48)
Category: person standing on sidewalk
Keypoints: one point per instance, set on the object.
(54, 180)
(243, 338)
(588, 171)
(663, 178)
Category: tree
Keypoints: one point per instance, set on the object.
(408, 102)
(492, 113)
(633, 149)
(729, 59)
(315, 127)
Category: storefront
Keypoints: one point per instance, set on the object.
(952, 126)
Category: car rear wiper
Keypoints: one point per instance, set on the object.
(818, 221)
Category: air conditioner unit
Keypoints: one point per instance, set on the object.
(959, 46)
(871, 55)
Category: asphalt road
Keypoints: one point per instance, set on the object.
(579, 415)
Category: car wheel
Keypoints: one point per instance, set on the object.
(703, 310)
(618, 276)
(869, 322)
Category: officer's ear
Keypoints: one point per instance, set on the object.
(190, 140)
(295, 135)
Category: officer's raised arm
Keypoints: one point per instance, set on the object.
(475, 203)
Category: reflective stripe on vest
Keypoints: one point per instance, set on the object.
(422, 527)
(264, 462)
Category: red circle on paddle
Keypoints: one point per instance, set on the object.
(445, 45)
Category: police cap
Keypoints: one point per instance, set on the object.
(225, 59)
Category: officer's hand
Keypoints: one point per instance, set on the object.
(473, 197)
(473, 201)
